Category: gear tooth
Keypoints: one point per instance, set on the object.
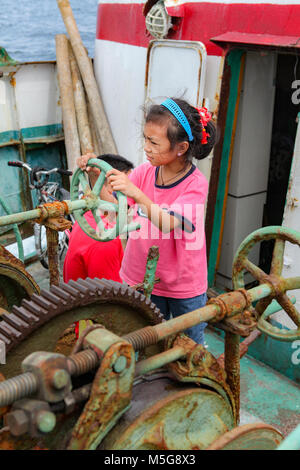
(22, 313)
(105, 286)
(68, 288)
(125, 291)
(14, 321)
(105, 283)
(84, 290)
(141, 296)
(93, 282)
(6, 341)
(40, 309)
(34, 308)
(59, 292)
(9, 331)
(40, 300)
(52, 297)
(91, 288)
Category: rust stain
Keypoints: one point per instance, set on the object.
(13, 80)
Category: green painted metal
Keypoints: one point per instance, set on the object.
(12, 185)
(266, 395)
(102, 233)
(234, 59)
(252, 436)
(5, 59)
(262, 234)
(16, 231)
(46, 421)
(292, 442)
(9, 137)
(151, 265)
(170, 418)
(241, 264)
(20, 217)
(42, 132)
(159, 360)
(111, 391)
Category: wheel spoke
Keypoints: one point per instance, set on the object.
(262, 304)
(83, 182)
(96, 216)
(289, 308)
(277, 259)
(292, 283)
(100, 226)
(256, 272)
(98, 185)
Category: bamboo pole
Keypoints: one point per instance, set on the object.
(85, 136)
(72, 143)
(95, 138)
(88, 77)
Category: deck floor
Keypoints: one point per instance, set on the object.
(266, 395)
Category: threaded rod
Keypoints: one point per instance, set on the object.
(82, 362)
(18, 387)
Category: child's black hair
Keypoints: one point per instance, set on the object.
(116, 161)
(176, 133)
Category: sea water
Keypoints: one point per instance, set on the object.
(28, 27)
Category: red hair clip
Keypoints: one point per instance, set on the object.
(205, 117)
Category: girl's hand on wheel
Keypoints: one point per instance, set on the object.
(119, 181)
(82, 163)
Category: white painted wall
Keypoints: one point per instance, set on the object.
(120, 74)
(29, 97)
(37, 95)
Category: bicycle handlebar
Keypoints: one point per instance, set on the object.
(37, 171)
(20, 164)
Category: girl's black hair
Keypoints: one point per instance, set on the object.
(117, 161)
(176, 133)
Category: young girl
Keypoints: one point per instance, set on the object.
(170, 195)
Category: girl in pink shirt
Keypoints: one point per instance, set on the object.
(169, 193)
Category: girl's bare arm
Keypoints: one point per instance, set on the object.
(160, 218)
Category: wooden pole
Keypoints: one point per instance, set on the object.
(85, 136)
(72, 143)
(88, 77)
(95, 138)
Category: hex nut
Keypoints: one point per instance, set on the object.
(18, 422)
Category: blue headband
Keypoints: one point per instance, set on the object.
(180, 116)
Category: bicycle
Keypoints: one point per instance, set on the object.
(47, 191)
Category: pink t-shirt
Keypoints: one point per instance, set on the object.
(182, 265)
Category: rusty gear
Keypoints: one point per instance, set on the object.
(16, 283)
(26, 320)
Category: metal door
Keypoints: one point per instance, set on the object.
(177, 69)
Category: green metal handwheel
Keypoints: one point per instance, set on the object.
(95, 205)
(272, 285)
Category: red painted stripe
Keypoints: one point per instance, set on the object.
(125, 23)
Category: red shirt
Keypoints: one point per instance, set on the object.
(87, 257)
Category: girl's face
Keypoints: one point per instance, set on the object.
(157, 146)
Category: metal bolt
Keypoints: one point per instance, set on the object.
(46, 421)
(120, 364)
(60, 379)
(17, 422)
